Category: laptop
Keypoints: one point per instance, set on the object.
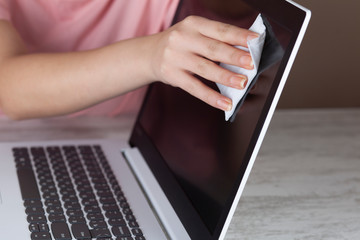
(180, 175)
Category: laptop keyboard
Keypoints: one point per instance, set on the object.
(70, 192)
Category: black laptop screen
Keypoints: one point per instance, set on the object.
(197, 156)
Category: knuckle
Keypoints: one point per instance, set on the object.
(173, 37)
(235, 55)
(213, 48)
(224, 77)
(208, 69)
(223, 29)
(190, 20)
(202, 67)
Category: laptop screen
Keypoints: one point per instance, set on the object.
(199, 158)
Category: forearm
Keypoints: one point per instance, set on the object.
(40, 85)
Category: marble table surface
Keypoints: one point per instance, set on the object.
(305, 183)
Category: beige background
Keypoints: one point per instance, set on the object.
(326, 70)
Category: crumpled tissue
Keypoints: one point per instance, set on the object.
(255, 47)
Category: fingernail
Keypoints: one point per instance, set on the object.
(238, 81)
(252, 36)
(247, 61)
(224, 104)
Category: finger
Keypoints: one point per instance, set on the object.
(221, 52)
(199, 90)
(222, 31)
(213, 72)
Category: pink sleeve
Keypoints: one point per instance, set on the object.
(4, 10)
(171, 11)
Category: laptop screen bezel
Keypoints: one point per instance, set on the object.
(290, 17)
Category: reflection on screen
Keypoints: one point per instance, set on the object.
(205, 153)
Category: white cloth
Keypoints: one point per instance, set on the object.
(255, 47)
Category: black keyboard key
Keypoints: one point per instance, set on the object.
(89, 201)
(68, 191)
(33, 227)
(104, 193)
(92, 208)
(50, 195)
(69, 199)
(40, 236)
(24, 164)
(86, 195)
(60, 231)
(97, 224)
(121, 231)
(77, 219)
(136, 232)
(52, 202)
(32, 203)
(74, 212)
(28, 185)
(120, 196)
(43, 227)
(83, 185)
(54, 210)
(34, 210)
(95, 216)
(63, 178)
(127, 211)
(84, 188)
(80, 176)
(72, 205)
(113, 181)
(80, 231)
(100, 233)
(36, 218)
(70, 195)
(40, 160)
(47, 182)
(57, 218)
(110, 200)
(117, 222)
(44, 175)
(130, 217)
(99, 186)
(64, 185)
(48, 188)
(124, 205)
(133, 224)
(113, 214)
(110, 207)
(20, 151)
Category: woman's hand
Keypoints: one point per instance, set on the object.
(192, 47)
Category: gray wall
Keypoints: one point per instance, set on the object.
(326, 71)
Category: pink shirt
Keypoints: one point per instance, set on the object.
(75, 25)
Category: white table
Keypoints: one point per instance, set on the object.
(305, 183)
